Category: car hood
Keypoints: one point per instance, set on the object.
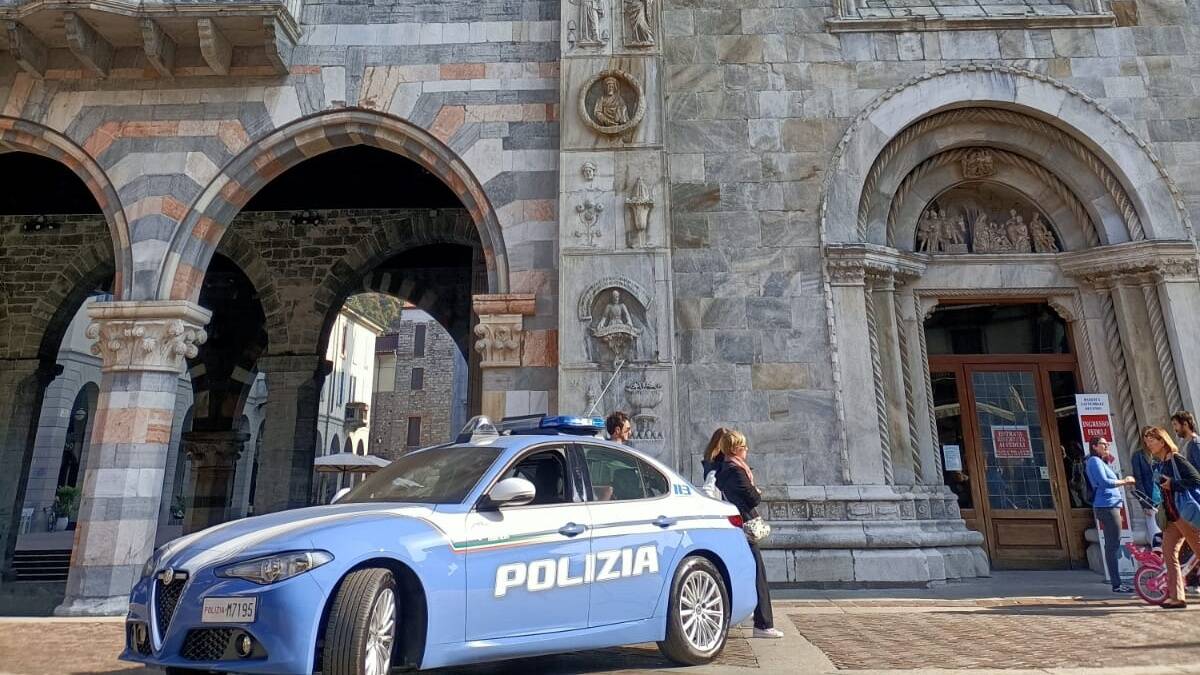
(274, 532)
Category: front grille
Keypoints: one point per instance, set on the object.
(166, 598)
(206, 644)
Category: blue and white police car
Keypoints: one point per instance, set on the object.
(506, 543)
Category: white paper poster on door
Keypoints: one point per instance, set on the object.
(1011, 442)
(952, 454)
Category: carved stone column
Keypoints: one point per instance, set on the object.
(500, 343)
(285, 468)
(1142, 330)
(22, 387)
(214, 455)
(143, 347)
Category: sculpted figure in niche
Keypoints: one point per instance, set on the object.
(929, 231)
(1043, 238)
(953, 230)
(1016, 232)
(590, 14)
(610, 110)
(616, 313)
(638, 15)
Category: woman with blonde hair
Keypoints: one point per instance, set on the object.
(736, 481)
(1177, 474)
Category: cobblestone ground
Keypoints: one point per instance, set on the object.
(908, 635)
(79, 647)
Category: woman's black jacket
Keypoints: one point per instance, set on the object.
(738, 490)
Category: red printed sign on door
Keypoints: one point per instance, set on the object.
(1012, 442)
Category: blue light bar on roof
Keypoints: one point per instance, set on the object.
(570, 424)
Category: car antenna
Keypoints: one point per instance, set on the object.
(620, 363)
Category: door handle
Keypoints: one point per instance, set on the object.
(663, 521)
(571, 530)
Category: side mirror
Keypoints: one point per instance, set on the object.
(510, 492)
(339, 494)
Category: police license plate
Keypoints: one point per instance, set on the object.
(229, 610)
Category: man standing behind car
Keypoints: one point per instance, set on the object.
(619, 428)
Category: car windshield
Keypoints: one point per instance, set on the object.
(440, 475)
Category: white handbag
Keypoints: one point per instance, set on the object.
(756, 529)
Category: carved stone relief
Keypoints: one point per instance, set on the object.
(127, 342)
(611, 102)
(644, 397)
(588, 171)
(588, 212)
(587, 29)
(978, 163)
(615, 311)
(966, 219)
(638, 205)
(498, 340)
(639, 23)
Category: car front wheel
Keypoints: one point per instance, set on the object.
(361, 628)
(698, 616)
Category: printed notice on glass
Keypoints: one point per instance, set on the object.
(953, 458)
(1012, 442)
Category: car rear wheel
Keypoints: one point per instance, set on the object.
(361, 629)
(698, 616)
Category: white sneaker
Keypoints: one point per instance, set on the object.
(768, 633)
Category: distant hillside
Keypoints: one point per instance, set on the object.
(382, 309)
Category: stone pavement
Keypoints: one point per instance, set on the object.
(1065, 623)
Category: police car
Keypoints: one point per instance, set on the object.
(506, 543)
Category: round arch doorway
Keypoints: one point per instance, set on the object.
(1004, 379)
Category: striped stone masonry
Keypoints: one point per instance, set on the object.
(143, 347)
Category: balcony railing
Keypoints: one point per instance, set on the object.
(356, 415)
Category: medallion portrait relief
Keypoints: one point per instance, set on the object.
(611, 102)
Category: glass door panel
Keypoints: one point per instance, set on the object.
(1014, 448)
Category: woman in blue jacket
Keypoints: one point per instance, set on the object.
(1106, 505)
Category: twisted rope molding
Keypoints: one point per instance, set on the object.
(1162, 346)
(909, 407)
(1117, 354)
(857, 122)
(1024, 163)
(839, 152)
(933, 430)
(885, 435)
(996, 116)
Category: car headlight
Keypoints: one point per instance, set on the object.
(272, 568)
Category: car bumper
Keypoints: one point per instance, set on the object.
(283, 633)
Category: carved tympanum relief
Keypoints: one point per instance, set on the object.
(979, 163)
(974, 219)
(639, 23)
(587, 29)
(611, 102)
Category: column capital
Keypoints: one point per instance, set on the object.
(215, 449)
(881, 267)
(1133, 264)
(147, 335)
(500, 330)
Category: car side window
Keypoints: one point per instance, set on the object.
(547, 470)
(619, 476)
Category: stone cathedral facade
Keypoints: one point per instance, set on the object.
(889, 240)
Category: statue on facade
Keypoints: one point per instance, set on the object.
(610, 109)
(615, 328)
(590, 27)
(1016, 232)
(1043, 238)
(953, 231)
(981, 235)
(639, 21)
(929, 231)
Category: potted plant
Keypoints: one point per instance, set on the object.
(66, 506)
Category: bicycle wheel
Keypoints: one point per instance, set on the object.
(1150, 584)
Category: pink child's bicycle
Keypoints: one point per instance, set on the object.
(1150, 579)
